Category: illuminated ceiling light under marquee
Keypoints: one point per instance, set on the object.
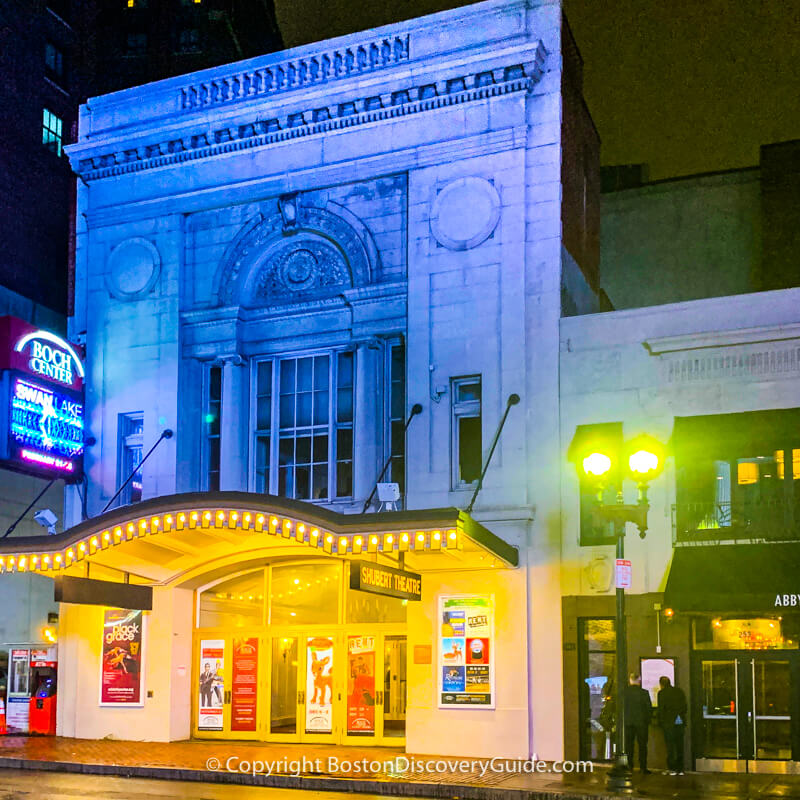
(290, 527)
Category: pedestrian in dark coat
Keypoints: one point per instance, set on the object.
(672, 719)
(638, 712)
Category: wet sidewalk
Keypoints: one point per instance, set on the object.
(378, 770)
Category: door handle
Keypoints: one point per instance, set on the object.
(301, 698)
(228, 697)
(379, 698)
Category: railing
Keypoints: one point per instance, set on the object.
(759, 521)
(357, 59)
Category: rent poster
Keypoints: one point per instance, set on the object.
(466, 651)
(361, 685)
(212, 685)
(122, 674)
(319, 685)
(244, 684)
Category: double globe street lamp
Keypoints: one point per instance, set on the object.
(643, 459)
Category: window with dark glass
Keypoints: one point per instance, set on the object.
(467, 436)
(52, 132)
(189, 41)
(738, 475)
(130, 446)
(212, 422)
(597, 657)
(136, 45)
(397, 409)
(304, 426)
(53, 62)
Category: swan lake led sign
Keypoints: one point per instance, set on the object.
(42, 384)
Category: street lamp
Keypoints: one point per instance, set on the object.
(643, 458)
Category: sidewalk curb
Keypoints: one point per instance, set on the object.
(322, 783)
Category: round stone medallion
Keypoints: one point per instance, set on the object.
(299, 268)
(465, 213)
(133, 269)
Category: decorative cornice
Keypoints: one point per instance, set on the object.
(731, 338)
(323, 67)
(261, 133)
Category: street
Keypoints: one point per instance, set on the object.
(19, 784)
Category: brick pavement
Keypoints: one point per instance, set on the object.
(187, 760)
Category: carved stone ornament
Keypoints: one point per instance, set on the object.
(267, 265)
(303, 267)
(465, 213)
(133, 269)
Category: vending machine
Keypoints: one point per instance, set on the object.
(31, 692)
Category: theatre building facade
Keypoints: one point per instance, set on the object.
(298, 277)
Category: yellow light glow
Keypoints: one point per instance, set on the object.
(131, 527)
(107, 536)
(329, 538)
(314, 533)
(118, 533)
(49, 634)
(389, 539)
(46, 559)
(58, 558)
(437, 535)
(220, 515)
(343, 543)
(94, 541)
(451, 535)
(82, 547)
(359, 541)
(273, 522)
(668, 612)
(420, 537)
(643, 461)
(168, 519)
(22, 562)
(404, 537)
(156, 522)
(301, 528)
(34, 561)
(234, 516)
(596, 464)
(70, 553)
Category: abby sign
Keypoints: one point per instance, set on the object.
(41, 428)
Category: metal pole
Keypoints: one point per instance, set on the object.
(415, 409)
(619, 776)
(165, 434)
(30, 506)
(513, 399)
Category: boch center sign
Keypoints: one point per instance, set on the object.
(367, 576)
(41, 401)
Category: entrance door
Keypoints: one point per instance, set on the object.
(343, 687)
(746, 714)
(227, 696)
(375, 700)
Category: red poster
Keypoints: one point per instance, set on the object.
(121, 678)
(361, 685)
(244, 687)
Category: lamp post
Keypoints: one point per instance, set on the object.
(644, 460)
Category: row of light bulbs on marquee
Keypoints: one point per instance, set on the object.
(249, 521)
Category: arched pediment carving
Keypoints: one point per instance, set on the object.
(318, 255)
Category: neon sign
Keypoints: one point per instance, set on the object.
(47, 425)
(51, 357)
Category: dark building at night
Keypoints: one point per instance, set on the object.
(53, 55)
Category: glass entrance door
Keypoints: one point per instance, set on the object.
(229, 674)
(746, 715)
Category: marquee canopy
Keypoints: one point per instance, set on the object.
(166, 538)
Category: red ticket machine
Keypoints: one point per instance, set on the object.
(31, 697)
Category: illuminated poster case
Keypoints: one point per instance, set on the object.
(466, 651)
(41, 402)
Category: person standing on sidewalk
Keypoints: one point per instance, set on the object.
(638, 712)
(672, 718)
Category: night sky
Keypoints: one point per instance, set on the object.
(686, 86)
